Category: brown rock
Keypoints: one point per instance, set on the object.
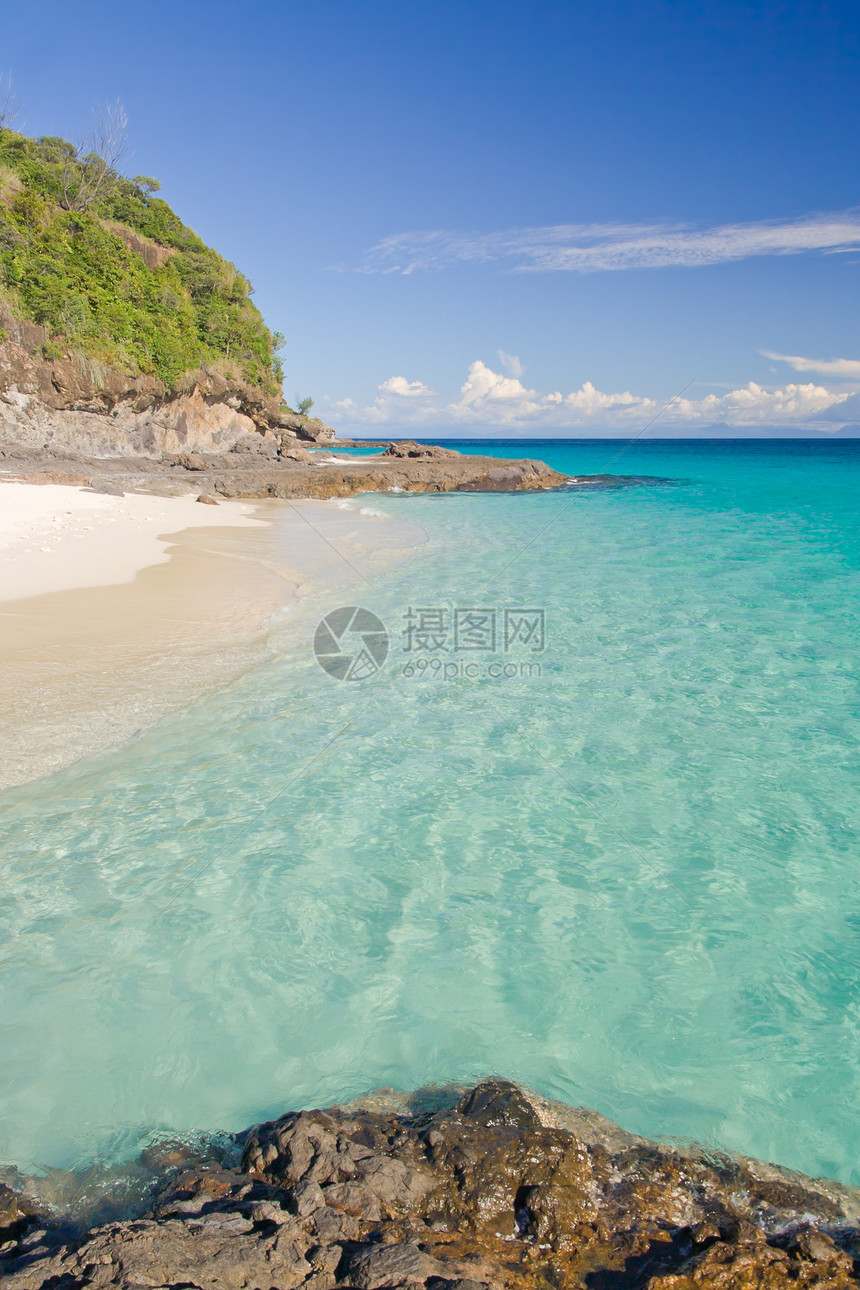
(256, 445)
(496, 1191)
(380, 1267)
(189, 461)
(423, 451)
(498, 1102)
(308, 428)
(152, 253)
(295, 452)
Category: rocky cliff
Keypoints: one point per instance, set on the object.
(121, 333)
(76, 406)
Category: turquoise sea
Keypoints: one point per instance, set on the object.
(622, 868)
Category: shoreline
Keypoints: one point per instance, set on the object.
(95, 539)
(448, 1188)
(263, 470)
(199, 548)
(145, 605)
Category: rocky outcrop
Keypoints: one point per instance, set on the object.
(427, 475)
(419, 451)
(152, 253)
(500, 1190)
(273, 465)
(311, 429)
(70, 404)
(187, 422)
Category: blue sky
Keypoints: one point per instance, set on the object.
(521, 219)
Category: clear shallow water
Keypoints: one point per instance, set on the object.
(630, 882)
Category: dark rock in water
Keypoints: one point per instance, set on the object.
(498, 1102)
(17, 1215)
(498, 1192)
(597, 482)
(10, 1215)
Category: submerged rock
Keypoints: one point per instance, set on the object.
(17, 1215)
(499, 1190)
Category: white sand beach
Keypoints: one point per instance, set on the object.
(117, 610)
(55, 538)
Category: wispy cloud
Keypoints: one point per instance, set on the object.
(491, 399)
(511, 363)
(590, 248)
(826, 366)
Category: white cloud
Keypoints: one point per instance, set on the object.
(511, 363)
(588, 248)
(398, 400)
(485, 390)
(752, 404)
(399, 386)
(488, 397)
(491, 399)
(827, 366)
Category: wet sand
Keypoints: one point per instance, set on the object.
(85, 668)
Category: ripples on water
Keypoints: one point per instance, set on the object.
(630, 882)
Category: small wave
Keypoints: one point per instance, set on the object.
(619, 481)
(283, 612)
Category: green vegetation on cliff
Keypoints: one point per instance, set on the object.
(115, 275)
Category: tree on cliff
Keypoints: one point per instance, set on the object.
(8, 103)
(93, 169)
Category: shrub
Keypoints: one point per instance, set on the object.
(29, 208)
(71, 272)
